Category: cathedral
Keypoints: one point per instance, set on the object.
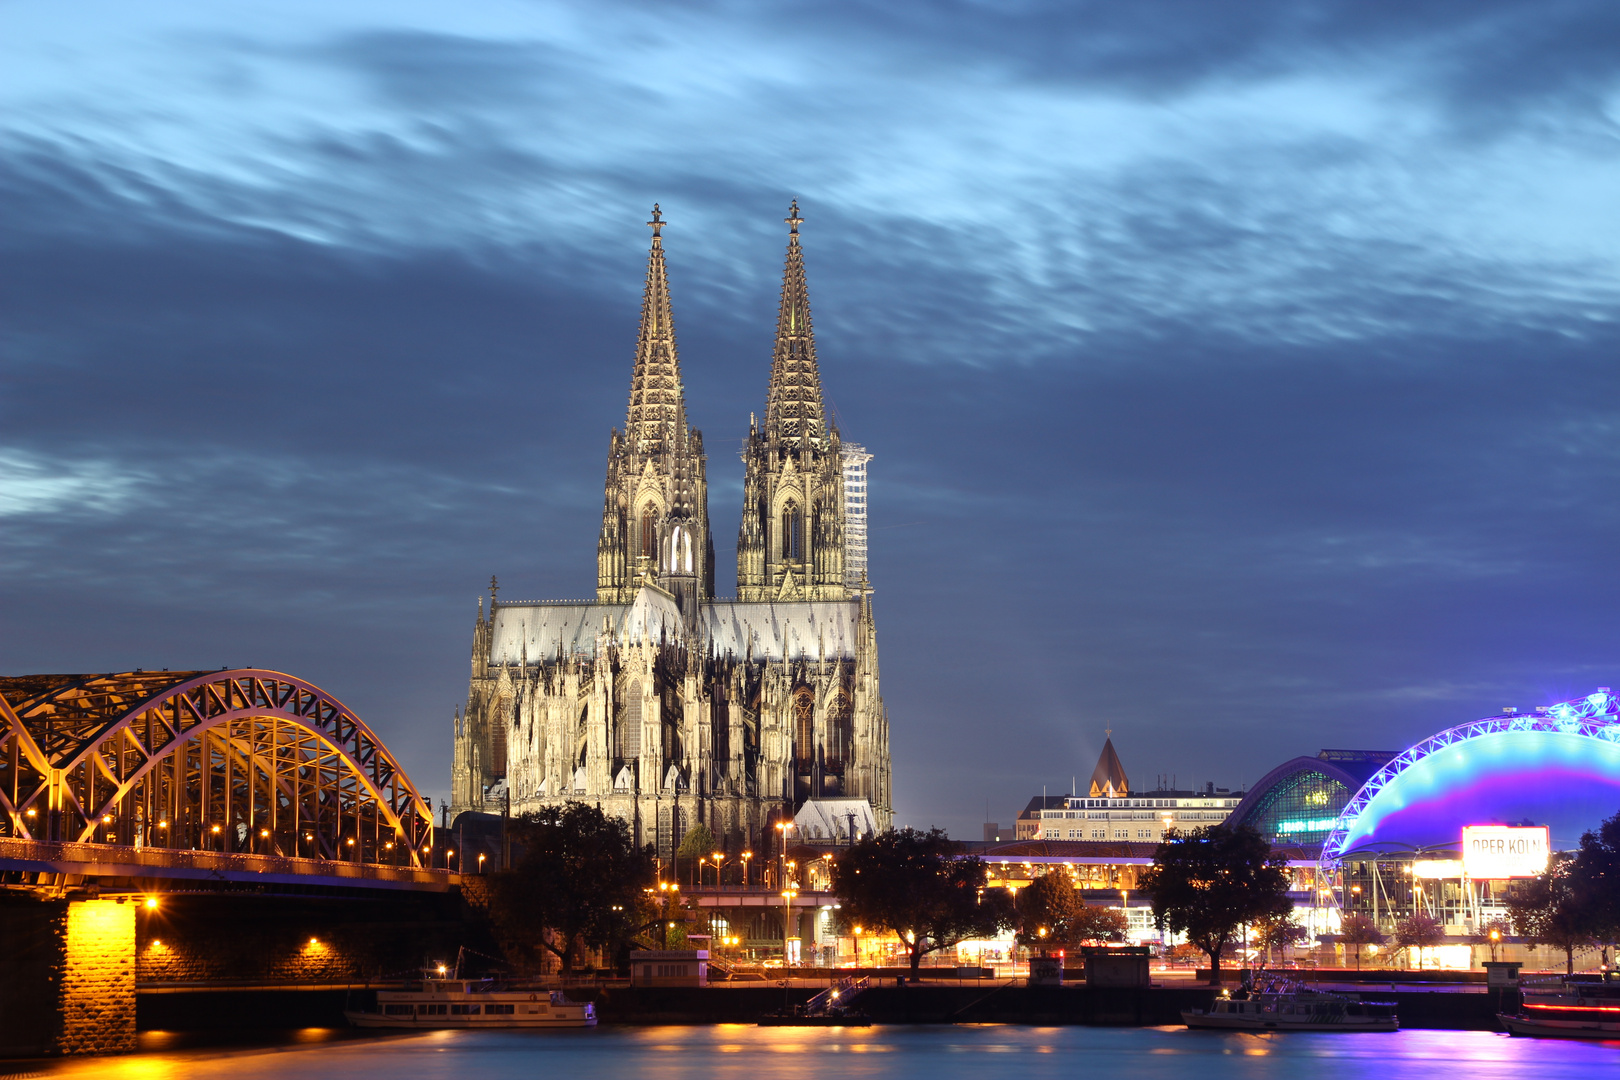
(660, 702)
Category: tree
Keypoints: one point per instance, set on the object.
(1278, 932)
(1420, 931)
(1594, 879)
(1357, 930)
(580, 881)
(698, 843)
(920, 886)
(1098, 924)
(1047, 908)
(1493, 934)
(1208, 882)
(1547, 910)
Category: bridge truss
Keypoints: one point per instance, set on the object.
(243, 760)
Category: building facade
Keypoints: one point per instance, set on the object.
(1111, 811)
(660, 702)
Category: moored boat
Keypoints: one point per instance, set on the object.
(1572, 1008)
(473, 1003)
(1280, 1005)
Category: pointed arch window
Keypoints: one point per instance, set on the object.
(649, 531)
(792, 533)
(630, 725)
(804, 725)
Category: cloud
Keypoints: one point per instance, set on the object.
(1236, 377)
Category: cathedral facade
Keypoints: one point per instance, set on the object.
(660, 702)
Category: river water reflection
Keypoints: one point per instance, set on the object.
(729, 1051)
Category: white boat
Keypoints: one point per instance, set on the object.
(1572, 1008)
(473, 1003)
(1280, 1005)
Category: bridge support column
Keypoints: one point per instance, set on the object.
(67, 976)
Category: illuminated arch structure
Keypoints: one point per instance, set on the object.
(250, 762)
(1558, 767)
(1299, 801)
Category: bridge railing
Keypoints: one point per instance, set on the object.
(116, 860)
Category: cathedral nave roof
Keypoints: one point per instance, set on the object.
(765, 630)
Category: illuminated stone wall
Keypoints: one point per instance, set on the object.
(98, 978)
(67, 976)
(277, 939)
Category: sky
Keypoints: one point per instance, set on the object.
(1243, 379)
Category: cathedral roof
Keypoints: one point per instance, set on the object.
(1108, 778)
(765, 630)
(793, 403)
(657, 399)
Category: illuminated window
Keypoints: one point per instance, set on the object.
(649, 531)
(792, 538)
(630, 725)
(804, 725)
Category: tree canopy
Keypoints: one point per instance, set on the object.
(1550, 910)
(1595, 881)
(580, 881)
(698, 843)
(920, 886)
(1208, 882)
(1357, 929)
(1051, 904)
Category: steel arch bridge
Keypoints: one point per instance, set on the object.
(1595, 717)
(245, 762)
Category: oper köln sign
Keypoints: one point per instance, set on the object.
(1504, 851)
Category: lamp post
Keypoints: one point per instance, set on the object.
(787, 913)
(697, 873)
(857, 951)
(745, 857)
(719, 858)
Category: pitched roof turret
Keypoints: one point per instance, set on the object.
(1108, 779)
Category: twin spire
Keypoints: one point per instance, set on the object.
(657, 399)
(793, 404)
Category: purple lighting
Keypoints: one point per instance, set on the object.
(1560, 768)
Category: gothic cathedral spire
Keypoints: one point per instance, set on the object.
(793, 404)
(791, 542)
(655, 512)
(657, 400)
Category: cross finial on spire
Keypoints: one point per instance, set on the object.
(1108, 732)
(793, 219)
(657, 223)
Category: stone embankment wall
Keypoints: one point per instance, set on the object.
(67, 976)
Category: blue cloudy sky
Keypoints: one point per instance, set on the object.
(1241, 377)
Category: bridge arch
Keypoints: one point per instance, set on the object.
(1559, 766)
(243, 760)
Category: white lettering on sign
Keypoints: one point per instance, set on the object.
(1504, 851)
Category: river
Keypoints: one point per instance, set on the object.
(727, 1051)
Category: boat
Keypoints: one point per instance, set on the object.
(833, 1007)
(1569, 1008)
(1279, 1004)
(448, 1002)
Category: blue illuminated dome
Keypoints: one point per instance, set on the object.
(1559, 768)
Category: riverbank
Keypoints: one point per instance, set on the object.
(987, 1001)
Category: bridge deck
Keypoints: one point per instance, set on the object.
(117, 861)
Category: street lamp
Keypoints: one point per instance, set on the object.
(719, 857)
(857, 950)
(787, 914)
(481, 858)
(745, 857)
(697, 872)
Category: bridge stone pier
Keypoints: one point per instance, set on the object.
(165, 836)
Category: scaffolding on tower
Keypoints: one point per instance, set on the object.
(855, 458)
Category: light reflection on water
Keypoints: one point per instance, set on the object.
(739, 1052)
